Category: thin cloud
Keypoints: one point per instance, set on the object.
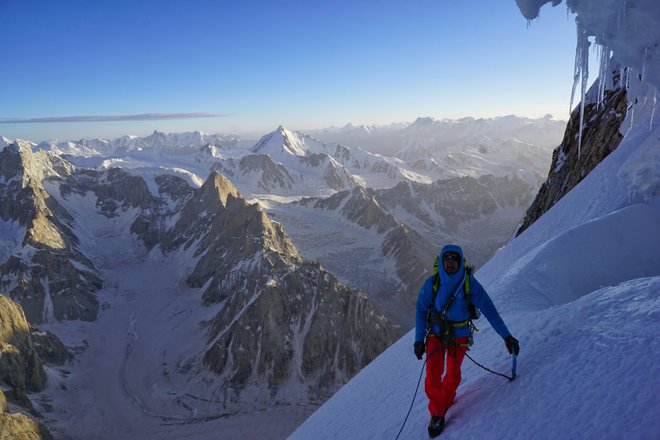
(115, 118)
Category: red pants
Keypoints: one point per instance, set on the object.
(441, 391)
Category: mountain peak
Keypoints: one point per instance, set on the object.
(426, 121)
(281, 140)
(4, 142)
(217, 185)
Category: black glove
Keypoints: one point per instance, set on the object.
(419, 349)
(512, 345)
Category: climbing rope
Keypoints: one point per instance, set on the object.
(421, 373)
(513, 369)
(413, 400)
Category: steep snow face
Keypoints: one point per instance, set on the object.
(572, 379)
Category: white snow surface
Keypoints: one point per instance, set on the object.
(584, 305)
(579, 289)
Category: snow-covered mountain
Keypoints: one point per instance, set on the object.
(290, 163)
(399, 230)
(578, 287)
(440, 149)
(165, 143)
(191, 290)
(427, 135)
(285, 165)
(41, 264)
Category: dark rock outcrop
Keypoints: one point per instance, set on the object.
(572, 162)
(302, 324)
(21, 370)
(49, 347)
(283, 319)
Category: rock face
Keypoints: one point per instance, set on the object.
(283, 319)
(299, 325)
(49, 348)
(21, 427)
(570, 164)
(20, 365)
(43, 270)
(21, 370)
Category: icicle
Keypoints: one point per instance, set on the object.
(581, 72)
(576, 72)
(603, 72)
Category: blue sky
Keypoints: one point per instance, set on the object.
(259, 64)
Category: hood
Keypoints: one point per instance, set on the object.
(447, 279)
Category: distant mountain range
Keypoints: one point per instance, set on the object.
(210, 275)
(466, 181)
(441, 134)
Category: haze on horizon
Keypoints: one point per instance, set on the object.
(91, 69)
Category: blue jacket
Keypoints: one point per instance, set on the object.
(458, 311)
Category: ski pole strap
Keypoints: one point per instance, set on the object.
(514, 367)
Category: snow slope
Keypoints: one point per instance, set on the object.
(584, 306)
(579, 289)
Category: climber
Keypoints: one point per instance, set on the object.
(444, 329)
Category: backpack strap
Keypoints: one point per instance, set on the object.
(439, 318)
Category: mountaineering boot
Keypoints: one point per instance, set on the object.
(436, 425)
